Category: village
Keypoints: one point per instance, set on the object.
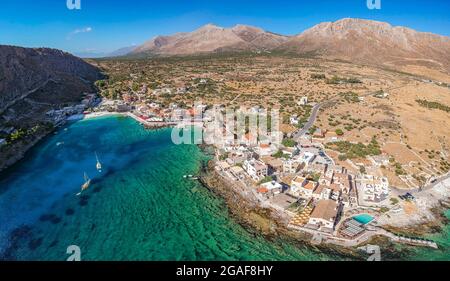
(317, 196)
(302, 181)
(291, 174)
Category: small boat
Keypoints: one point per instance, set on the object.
(86, 184)
(98, 165)
(190, 177)
(59, 143)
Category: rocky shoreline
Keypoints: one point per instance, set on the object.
(263, 221)
(426, 228)
(429, 217)
(272, 225)
(18, 151)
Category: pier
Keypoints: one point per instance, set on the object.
(319, 237)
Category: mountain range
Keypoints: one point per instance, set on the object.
(355, 40)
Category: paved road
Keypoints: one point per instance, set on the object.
(402, 191)
(315, 110)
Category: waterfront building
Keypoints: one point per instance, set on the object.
(223, 165)
(273, 187)
(256, 169)
(237, 172)
(324, 215)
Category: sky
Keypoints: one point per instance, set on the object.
(102, 26)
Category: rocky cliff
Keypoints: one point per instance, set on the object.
(32, 82)
(25, 71)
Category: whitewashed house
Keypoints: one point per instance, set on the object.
(291, 166)
(307, 157)
(293, 120)
(256, 169)
(322, 192)
(296, 184)
(303, 101)
(273, 187)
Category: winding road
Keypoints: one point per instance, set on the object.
(315, 110)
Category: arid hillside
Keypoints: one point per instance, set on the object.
(373, 42)
(211, 38)
(25, 72)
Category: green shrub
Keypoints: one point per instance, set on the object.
(289, 142)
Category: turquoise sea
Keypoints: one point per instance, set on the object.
(138, 208)
(442, 239)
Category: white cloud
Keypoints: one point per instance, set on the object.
(80, 30)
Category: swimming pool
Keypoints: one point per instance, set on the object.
(363, 218)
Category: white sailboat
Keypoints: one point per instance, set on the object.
(86, 184)
(98, 165)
